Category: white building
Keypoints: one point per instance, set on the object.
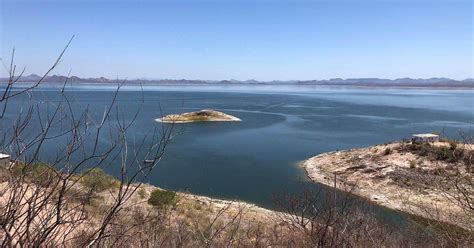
(424, 138)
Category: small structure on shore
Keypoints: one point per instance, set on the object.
(4, 160)
(424, 138)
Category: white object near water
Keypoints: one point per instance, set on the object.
(424, 138)
(4, 160)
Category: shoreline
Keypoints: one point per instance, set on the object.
(252, 212)
(356, 170)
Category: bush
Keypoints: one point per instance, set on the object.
(453, 145)
(4, 174)
(438, 171)
(39, 173)
(469, 159)
(142, 193)
(43, 174)
(161, 198)
(97, 180)
(452, 153)
(387, 151)
(442, 153)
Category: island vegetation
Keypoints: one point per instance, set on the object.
(204, 115)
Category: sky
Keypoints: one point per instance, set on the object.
(262, 40)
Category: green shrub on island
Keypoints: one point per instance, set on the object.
(97, 180)
(161, 198)
(198, 116)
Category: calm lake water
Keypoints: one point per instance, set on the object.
(281, 126)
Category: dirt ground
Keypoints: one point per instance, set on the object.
(395, 177)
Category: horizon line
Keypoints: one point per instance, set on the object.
(244, 80)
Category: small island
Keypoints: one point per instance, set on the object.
(204, 115)
(428, 179)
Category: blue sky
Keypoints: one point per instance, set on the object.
(263, 40)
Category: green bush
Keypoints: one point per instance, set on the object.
(97, 180)
(43, 174)
(387, 151)
(452, 153)
(161, 198)
(422, 149)
(142, 193)
(453, 145)
(39, 173)
(442, 153)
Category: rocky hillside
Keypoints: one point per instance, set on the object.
(430, 180)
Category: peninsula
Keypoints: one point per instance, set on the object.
(432, 180)
(204, 115)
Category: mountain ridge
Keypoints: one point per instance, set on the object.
(434, 81)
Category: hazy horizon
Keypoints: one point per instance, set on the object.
(239, 80)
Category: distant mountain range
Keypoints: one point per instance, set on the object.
(375, 82)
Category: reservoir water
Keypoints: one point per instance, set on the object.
(281, 126)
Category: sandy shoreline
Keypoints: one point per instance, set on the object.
(251, 211)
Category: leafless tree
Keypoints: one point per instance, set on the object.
(323, 218)
(41, 201)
